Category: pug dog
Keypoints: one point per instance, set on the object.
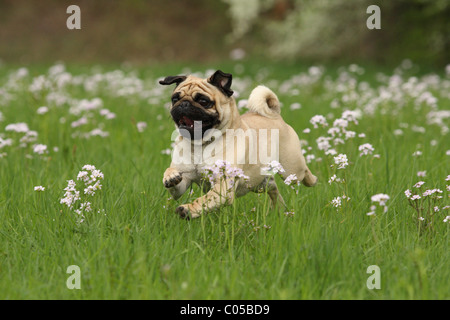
(208, 125)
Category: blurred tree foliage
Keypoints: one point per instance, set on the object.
(137, 31)
(203, 30)
(336, 29)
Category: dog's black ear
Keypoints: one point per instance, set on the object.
(222, 81)
(172, 79)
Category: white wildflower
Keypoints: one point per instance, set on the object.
(295, 106)
(88, 167)
(17, 127)
(408, 193)
(349, 134)
(419, 184)
(30, 136)
(40, 148)
(365, 149)
(310, 158)
(318, 120)
(352, 116)
(42, 110)
(141, 126)
(290, 179)
(334, 178)
(323, 143)
(341, 161)
(340, 123)
(222, 169)
(336, 202)
(273, 167)
(432, 192)
(381, 198)
(421, 173)
(289, 213)
(5, 142)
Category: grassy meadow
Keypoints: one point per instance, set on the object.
(131, 245)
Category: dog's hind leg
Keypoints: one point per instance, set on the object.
(274, 194)
(269, 185)
(309, 180)
(294, 162)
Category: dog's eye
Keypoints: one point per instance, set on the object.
(175, 98)
(204, 102)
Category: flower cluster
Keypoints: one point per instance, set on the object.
(339, 133)
(255, 228)
(341, 161)
(334, 178)
(71, 196)
(427, 203)
(289, 213)
(25, 140)
(365, 149)
(222, 169)
(318, 120)
(141, 126)
(272, 168)
(91, 179)
(338, 201)
(292, 181)
(378, 202)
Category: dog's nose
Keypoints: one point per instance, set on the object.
(185, 104)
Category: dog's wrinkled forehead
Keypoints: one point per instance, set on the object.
(219, 82)
(193, 85)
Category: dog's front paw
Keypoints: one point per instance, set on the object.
(172, 178)
(186, 213)
(183, 212)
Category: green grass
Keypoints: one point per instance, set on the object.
(140, 249)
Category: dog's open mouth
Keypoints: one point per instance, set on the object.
(193, 123)
(186, 122)
(190, 124)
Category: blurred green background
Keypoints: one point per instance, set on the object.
(154, 31)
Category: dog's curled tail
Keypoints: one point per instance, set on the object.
(263, 101)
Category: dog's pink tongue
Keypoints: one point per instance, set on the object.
(187, 121)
